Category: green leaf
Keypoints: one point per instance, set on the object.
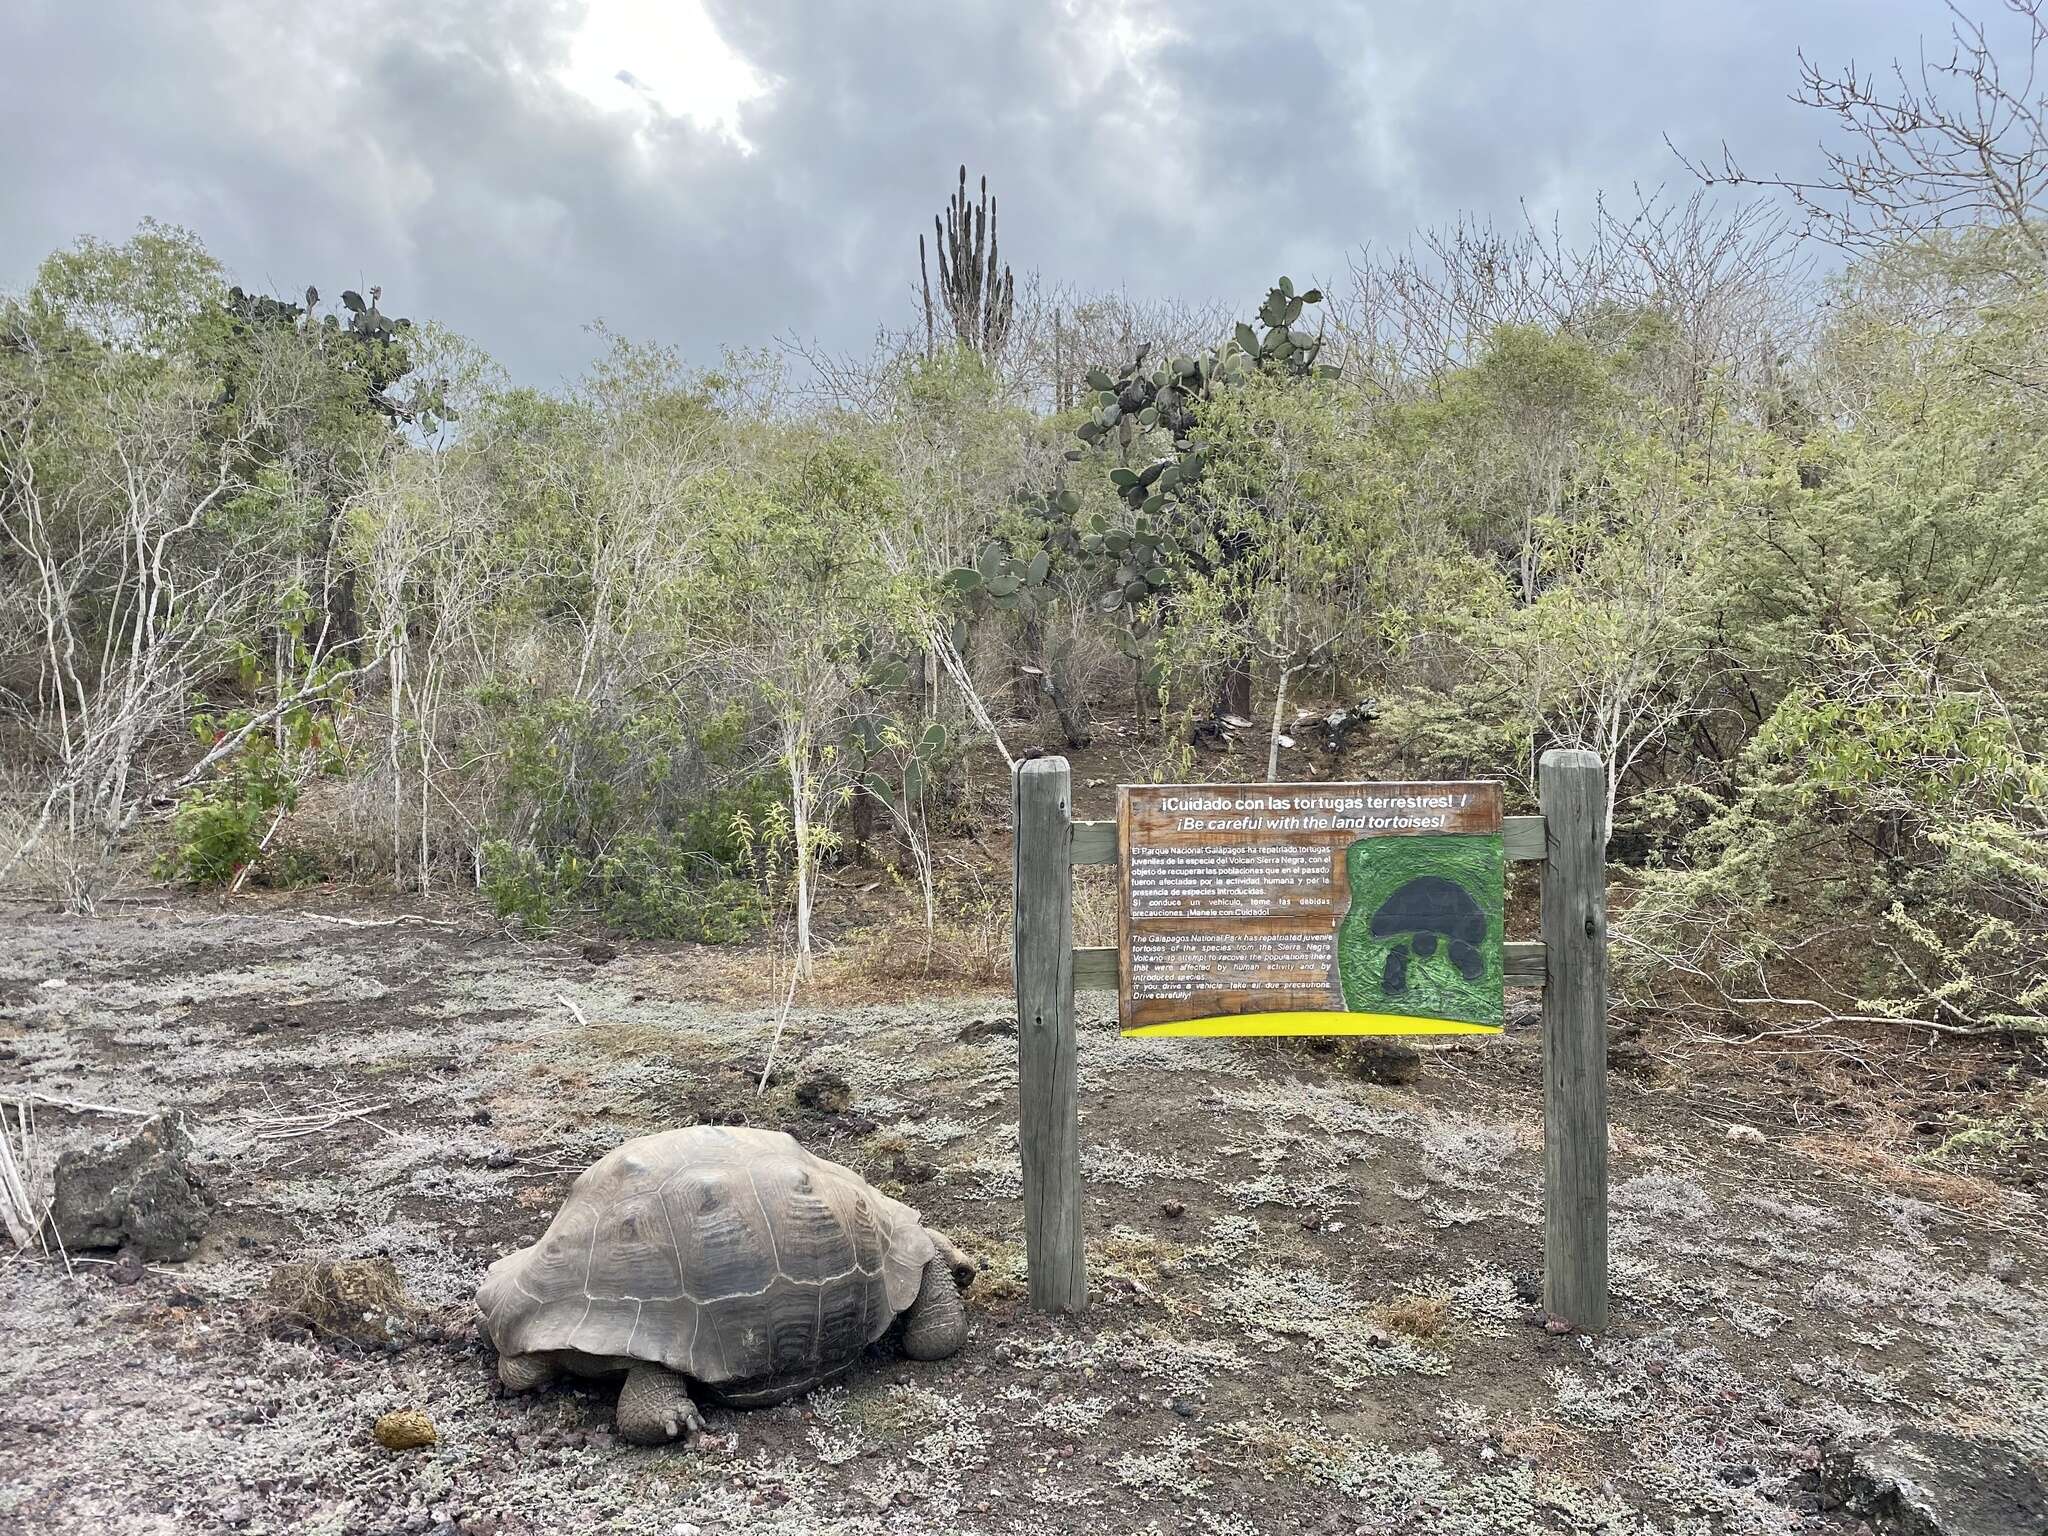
(1313, 296)
(1247, 337)
(1135, 592)
(877, 786)
(1123, 479)
(932, 742)
(913, 781)
(1041, 563)
(990, 560)
(1286, 285)
(1068, 502)
(963, 581)
(1155, 504)
(1156, 576)
(1003, 586)
(1148, 418)
(1100, 379)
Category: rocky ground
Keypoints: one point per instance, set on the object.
(1312, 1291)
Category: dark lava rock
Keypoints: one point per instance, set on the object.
(824, 1093)
(140, 1192)
(1936, 1484)
(981, 1029)
(1384, 1061)
(1628, 1055)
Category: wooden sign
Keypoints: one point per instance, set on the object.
(1310, 909)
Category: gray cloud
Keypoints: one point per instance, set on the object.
(432, 149)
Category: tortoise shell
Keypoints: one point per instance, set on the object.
(724, 1253)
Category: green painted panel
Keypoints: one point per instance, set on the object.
(1424, 931)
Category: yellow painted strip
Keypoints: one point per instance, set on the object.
(1330, 1022)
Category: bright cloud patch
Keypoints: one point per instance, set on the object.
(661, 56)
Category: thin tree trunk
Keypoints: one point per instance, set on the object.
(1279, 709)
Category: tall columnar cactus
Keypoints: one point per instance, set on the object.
(978, 293)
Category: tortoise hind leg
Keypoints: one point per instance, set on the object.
(936, 1324)
(655, 1407)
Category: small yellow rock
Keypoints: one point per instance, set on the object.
(405, 1430)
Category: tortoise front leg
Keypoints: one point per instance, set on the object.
(936, 1324)
(522, 1373)
(655, 1407)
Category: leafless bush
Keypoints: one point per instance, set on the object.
(1730, 285)
(1930, 146)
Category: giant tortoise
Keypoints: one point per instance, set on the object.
(723, 1259)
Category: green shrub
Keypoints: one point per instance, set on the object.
(219, 827)
(655, 889)
(520, 884)
(650, 887)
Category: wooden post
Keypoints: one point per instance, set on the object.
(1048, 1107)
(1573, 788)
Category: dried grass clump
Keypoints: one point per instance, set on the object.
(1417, 1316)
(1846, 1154)
(361, 1300)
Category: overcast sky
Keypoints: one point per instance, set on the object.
(727, 171)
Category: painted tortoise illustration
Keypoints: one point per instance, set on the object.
(1422, 911)
(720, 1259)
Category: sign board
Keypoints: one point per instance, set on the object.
(1310, 909)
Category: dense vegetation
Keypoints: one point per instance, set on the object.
(297, 587)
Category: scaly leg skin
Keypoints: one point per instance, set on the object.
(936, 1324)
(522, 1373)
(655, 1407)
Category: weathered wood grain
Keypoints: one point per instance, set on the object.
(1048, 1110)
(1573, 789)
